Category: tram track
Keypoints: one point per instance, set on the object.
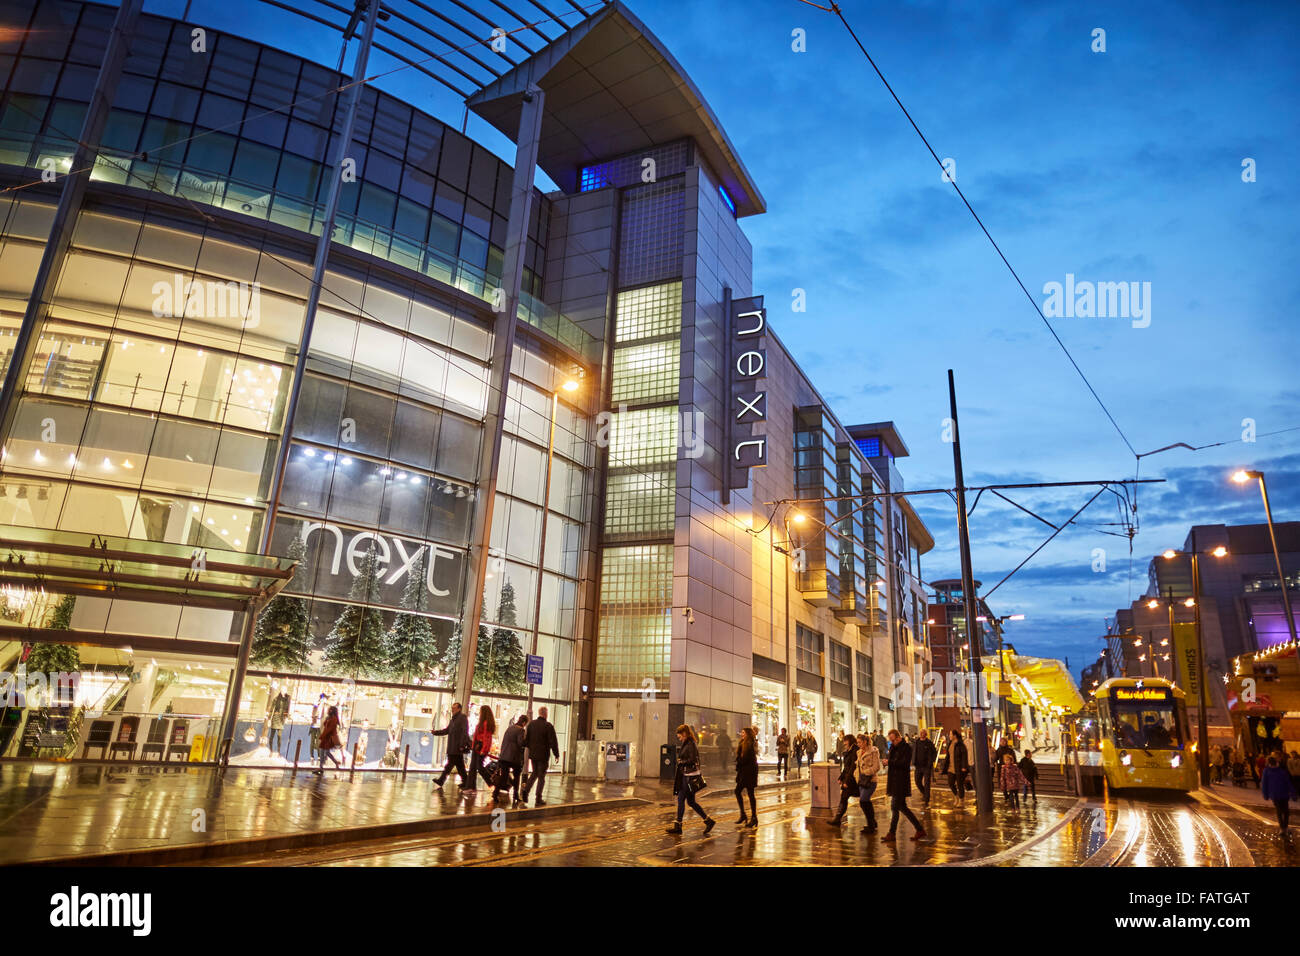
(1175, 835)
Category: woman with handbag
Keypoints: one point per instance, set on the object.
(747, 776)
(482, 745)
(329, 739)
(688, 781)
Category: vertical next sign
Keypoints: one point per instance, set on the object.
(746, 370)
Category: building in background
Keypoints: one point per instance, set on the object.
(1240, 610)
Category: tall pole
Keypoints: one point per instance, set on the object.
(527, 143)
(1173, 644)
(319, 262)
(541, 553)
(1277, 557)
(1202, 733)
(983, 780)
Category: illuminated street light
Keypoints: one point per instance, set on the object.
(1241, 477)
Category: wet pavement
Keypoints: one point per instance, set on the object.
(59, 811)
(786, 836)
(71, 812)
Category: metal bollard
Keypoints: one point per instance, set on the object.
(406, 758)
(297, 750)
(354, 755)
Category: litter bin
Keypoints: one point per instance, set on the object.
(667, 762)
(824, 781)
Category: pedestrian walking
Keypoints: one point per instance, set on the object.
(458, 744)
(329, 739)
(868, 769)
(747, 776)
(848, 747)
(958, 766)
(881, 744)
(481, 744)
(782, 754)
(542, 744)
(810, 745)
(1216, 765)
(1293, 768)
(510, 761)
(798, 752)
(1275, 784)
(688, 779)
(1012, 780)
(1030, 771)
(898, 786)
(923, 758)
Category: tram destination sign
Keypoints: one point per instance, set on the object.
(1144, 693)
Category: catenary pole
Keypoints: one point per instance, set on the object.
(983, 780)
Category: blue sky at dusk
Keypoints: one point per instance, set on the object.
(1117, 166)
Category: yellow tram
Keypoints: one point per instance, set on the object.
(1145, 741)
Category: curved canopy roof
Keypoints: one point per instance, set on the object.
(612, 88)
(1043, 682)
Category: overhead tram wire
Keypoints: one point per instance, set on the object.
(835, 8)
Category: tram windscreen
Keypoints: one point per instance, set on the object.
(1149, 725)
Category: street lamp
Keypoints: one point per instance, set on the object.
(569, 385)
(1202, 731)
(1241, 477)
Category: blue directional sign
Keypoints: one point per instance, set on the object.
(534, 669)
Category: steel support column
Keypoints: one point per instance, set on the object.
(319, 263)
(65, 216)
(521, 206)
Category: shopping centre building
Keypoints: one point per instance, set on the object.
(247, 471)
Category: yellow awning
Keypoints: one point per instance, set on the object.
(1041, 682)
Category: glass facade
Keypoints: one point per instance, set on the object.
(154, 405)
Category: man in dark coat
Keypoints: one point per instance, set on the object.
(458, 743)
(898, 786)
(541, 743)
(923, 758)
(848, 776)
(512, 757)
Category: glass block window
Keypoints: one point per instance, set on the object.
(636, 591)
(643, 436)
(630, 170)
(649, 312)
(639, 503)
(652, 233)
(870, 447)
(647, 373)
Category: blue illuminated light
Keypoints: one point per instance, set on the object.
(727, 199)
(870, 447)
(593, 177)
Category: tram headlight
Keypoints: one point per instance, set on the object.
(1125, 758)
(1177, 761)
